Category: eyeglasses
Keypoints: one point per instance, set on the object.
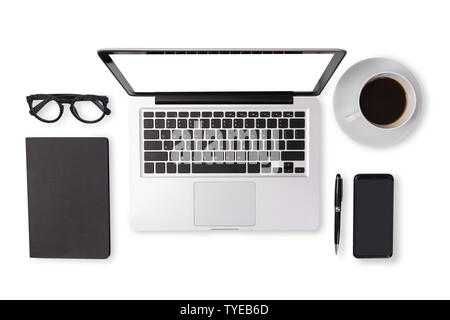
(86, 108)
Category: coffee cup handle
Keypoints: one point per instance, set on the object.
(353, 116)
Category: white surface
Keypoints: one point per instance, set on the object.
(222, 72)
(50, 46)
(347, 108)
(277, 196)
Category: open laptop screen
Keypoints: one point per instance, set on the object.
(146, 72)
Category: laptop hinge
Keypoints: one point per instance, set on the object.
(275, 97)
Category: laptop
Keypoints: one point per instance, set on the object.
(224, 139)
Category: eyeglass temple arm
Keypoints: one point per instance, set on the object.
(101, 106)
(39, 106)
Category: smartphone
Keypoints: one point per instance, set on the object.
(373, 216)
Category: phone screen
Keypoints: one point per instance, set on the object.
(373, 211)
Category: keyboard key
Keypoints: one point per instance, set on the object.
(149, 167)
(213, 145)
(171, 167)
(244, 134)
(292, 156)
(280, 145)
(230, 114)
(289, 134)
(246, 145)
(168, 145)
(219, 156)
(194, 124)
(299, 134)
(185, 156)
(174, 156)
(184, 168)
(300, 170)
(275, 156)
(277, 170)
(288, 167)
(197, 156)
(207, 156)
(296, 145)
(171, 114)
(198, 134)
(276, 114)
(218, 168)
(238, 123)
(160, 167)
(300, 114)
(264, 114)
(179, 145)
(188, 134)
(249, 123)
(206, 114)
(221, 134)
(218, 114)
(229, 156)
(165, 134)
(261, 123)
(258, 145)
(160, 114)
(152, 145)
(182, 123)
(195, 114)
(148, 123)
(252, 156)
(266, 167)
(183, 114)
(149, 114)
(156, 156)
(171, 123)
(277, 134)
(253, 167)
(283, 123)
(271, 123)
(235, 145)
(288, 114)
(151, 134)
(263, 156)
(253, 114)
(227, 123)
(266, 134)
(177, 134)
(297, 123)
(204, 123)
(189, 145)
(240, 156)
(216, 123)
(160, 123)
(254, 134)
(242, 114)
(269, 145)
(210, 134)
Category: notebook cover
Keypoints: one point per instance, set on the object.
(68, 197)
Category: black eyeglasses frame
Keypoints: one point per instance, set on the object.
(100, 101)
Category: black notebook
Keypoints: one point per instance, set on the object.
(68, 197)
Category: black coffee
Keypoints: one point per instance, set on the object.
(383, 101)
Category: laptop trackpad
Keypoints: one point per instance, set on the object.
(224, 204)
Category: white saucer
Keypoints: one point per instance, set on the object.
(346, 102)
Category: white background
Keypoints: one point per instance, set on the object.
(50, 46)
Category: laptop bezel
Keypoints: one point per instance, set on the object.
(227, 96)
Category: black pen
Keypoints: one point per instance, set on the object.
(337, 211)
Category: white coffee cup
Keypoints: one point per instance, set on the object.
(347, 102)
(410, 107)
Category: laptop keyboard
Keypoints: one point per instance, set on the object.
(224, 142)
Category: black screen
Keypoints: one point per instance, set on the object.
(373, 216)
